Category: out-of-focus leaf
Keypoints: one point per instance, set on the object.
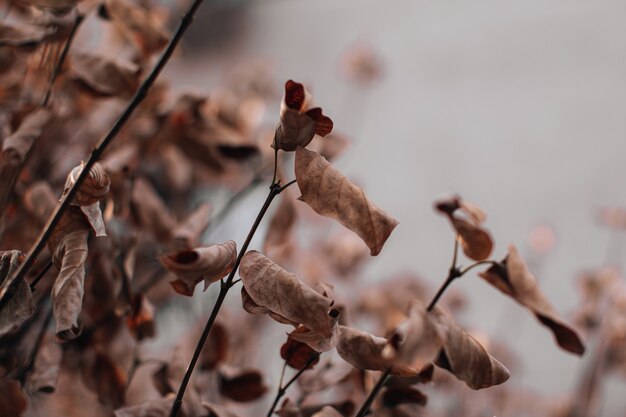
(45, 373)
(466, 219)
(299, 122)
(187, 233)
(241, 385)
(403, 395)
(218, 410)
(159, 407)
(18, 304)
(331, 194)
(22, 36)
(141, 321)
(59, 6)
(513, 278)
(215, 350)
(331, 147)
(414, 342)
(104, 377)
(297, 354)
(208, 264)
(465, 357)
(281, 292)
(40, 200)
(328, 411)
(289, 409)
(361, 349)
(278, 240)
(150, 211)
(103, 76)
(330, 373)
(13, 401)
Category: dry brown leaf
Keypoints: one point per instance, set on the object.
(395, 396)
(150, 211)
(208, 264)
(415, 342)
(271, 287)
(513, 278)
(141, 321)
(18, 305)
(140, 24)
(104, 377)
(297, 354)
(40, 201)
(279, 238)
(361, 349)
(241, 385)
(299, 123)
(103, 76)
(330, 373)
(22, 36)
(13, 401)
(94, 188)
(466, 219)
(331, 194)
(328, 411)
(16, 147)
(60, 6)
(159, 407)
(465, 357)
(169, 377)
(46, 369)
(215, 349)
(187, 233)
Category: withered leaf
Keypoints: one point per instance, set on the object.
(278, 240)
(361, 349)
(22, 36)
(93, 189)
(104, 377)
(331, 194)
(465, 357)
(298, 354)
(466, 219)
(414, 342)
(215, 350)
(188, 231)
(394, 396)
(281, 292)
(328, 411)
(16, 146)
(208, 264)
(18, 305)
(150, 211)
(103, 76)
(141, 321)
(241, 385)
(46, 369)
(513, 278)
(40, 200)
(142, 25)
(299, 123)
(13, 401)
(159, 407)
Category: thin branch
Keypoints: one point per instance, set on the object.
(97, 152)
(40, 275)
(468, 268)
(373, 393)
(282, 390)
(59, 65)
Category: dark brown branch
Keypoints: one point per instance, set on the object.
(373, 393)
(282, 390)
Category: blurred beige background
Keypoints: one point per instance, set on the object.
(518, 106)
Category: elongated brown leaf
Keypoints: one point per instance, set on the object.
(465, 357)
(208, 264)
(271, 287)
(299, 122)
(187, 233)
(414, 342)
(159, 407)
(45, 373)
(466, 219)
(104, 377)
(241, 385)
(103, 76)
(331, 194)
(361, 349)
(513, 278)
(18, 306)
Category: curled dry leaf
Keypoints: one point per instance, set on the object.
(414, 342)
(45, 373)
(140, 24)
(208, 264)
(18, 306)
(272, 288)
(466, 219)
(299, 123)
(465, 357)
(104, 377)
(331, 194)
(94, 188)
(159, 407)
(241, 385)
(21, 36)
(188, 231)
(328, 411)
(297, 354)
(513, 278)
(13, 401)
(361, 349)
(104, 76)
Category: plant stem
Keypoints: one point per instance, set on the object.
(99, 149)
(282, 390)
(373, 393)
(453, 273)
(40, 275)
(275, 189)
(59, 65)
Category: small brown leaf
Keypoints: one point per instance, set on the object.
(395, 396)
(103, 76)
(476, 241)
(299, 122)
(208, 264)
(465, 357)
(361, 349)
(331, 194)
(18, 305)
(297, 354)
(271, 287)
(414, 342)
(242, 385)
(13, 401)
(513, 278)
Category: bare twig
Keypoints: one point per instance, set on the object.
(97, 152)
(282, 390)
(373, 393)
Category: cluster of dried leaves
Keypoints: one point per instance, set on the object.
(132, 241)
